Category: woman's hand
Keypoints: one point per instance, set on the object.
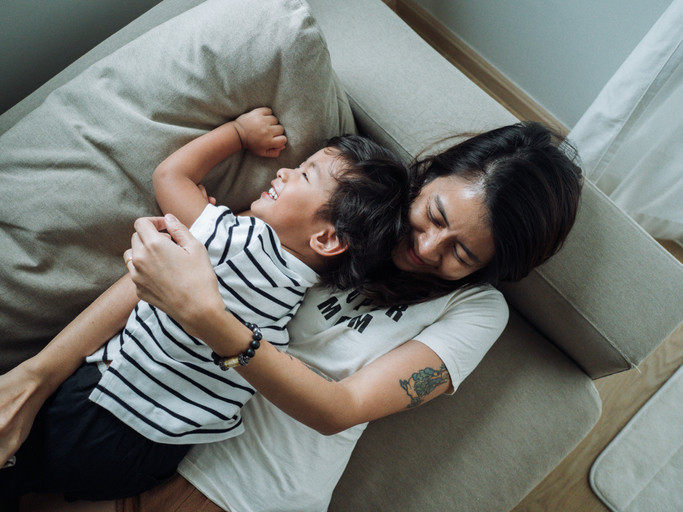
(174, 275)
(261, 133)
(21, 396)
(24, 389)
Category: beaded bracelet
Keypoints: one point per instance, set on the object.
(225, 363)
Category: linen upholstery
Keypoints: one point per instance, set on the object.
(403, 93)
(155, 16)
(76, 171)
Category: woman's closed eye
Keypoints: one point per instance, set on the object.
(440, 223)
(430, 215)
(457, 256)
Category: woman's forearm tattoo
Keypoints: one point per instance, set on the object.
(319, 373)
(422, 383)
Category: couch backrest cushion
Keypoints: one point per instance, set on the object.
(76, 171)
(403, 93)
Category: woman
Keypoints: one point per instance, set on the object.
(488, 209)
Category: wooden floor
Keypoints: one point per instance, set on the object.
(567, 488)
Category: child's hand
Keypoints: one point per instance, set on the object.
(261, 133)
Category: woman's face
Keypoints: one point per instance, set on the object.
(449, 235)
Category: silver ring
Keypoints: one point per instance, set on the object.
(10, 462)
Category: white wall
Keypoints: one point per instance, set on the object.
(560, 52)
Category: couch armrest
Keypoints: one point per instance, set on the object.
(611, 295)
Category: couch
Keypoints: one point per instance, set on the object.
(76, 158)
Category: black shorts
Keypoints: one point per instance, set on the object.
(81, 450)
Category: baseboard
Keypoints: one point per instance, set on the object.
(473, 65)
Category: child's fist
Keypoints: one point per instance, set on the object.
(261, 133)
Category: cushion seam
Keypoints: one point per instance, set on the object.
(581, 312)
(354, 102)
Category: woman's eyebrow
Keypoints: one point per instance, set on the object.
(442, 211)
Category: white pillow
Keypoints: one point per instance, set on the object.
(76, 172)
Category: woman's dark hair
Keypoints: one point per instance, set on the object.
(531, 187)
(368, 209)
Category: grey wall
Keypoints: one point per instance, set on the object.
(560, 52)
(38, 38)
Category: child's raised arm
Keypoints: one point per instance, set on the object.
(177, 178)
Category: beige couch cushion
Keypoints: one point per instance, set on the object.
(515, 418)
(76, 171)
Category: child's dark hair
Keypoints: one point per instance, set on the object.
(368, 209)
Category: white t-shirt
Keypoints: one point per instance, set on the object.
(162, 382)
(281, 465)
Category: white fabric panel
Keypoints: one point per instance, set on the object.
(630, 137)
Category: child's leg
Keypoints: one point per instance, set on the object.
(83, 451)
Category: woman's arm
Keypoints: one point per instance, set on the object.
(24, 389)
(403, 378)
(176, 178)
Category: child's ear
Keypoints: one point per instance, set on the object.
(327, 243)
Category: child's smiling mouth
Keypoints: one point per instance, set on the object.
(272, 193)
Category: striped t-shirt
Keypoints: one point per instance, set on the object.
(162, 382)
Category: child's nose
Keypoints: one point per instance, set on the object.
(283, 174)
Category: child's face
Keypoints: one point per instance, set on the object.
(296, 195)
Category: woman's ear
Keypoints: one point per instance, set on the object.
(326, 242)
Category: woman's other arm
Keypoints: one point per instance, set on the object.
(24, 389)
(405, 377)
(176, 179)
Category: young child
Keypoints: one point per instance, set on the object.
(158, 390)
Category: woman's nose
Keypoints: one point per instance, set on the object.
(429, 247)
